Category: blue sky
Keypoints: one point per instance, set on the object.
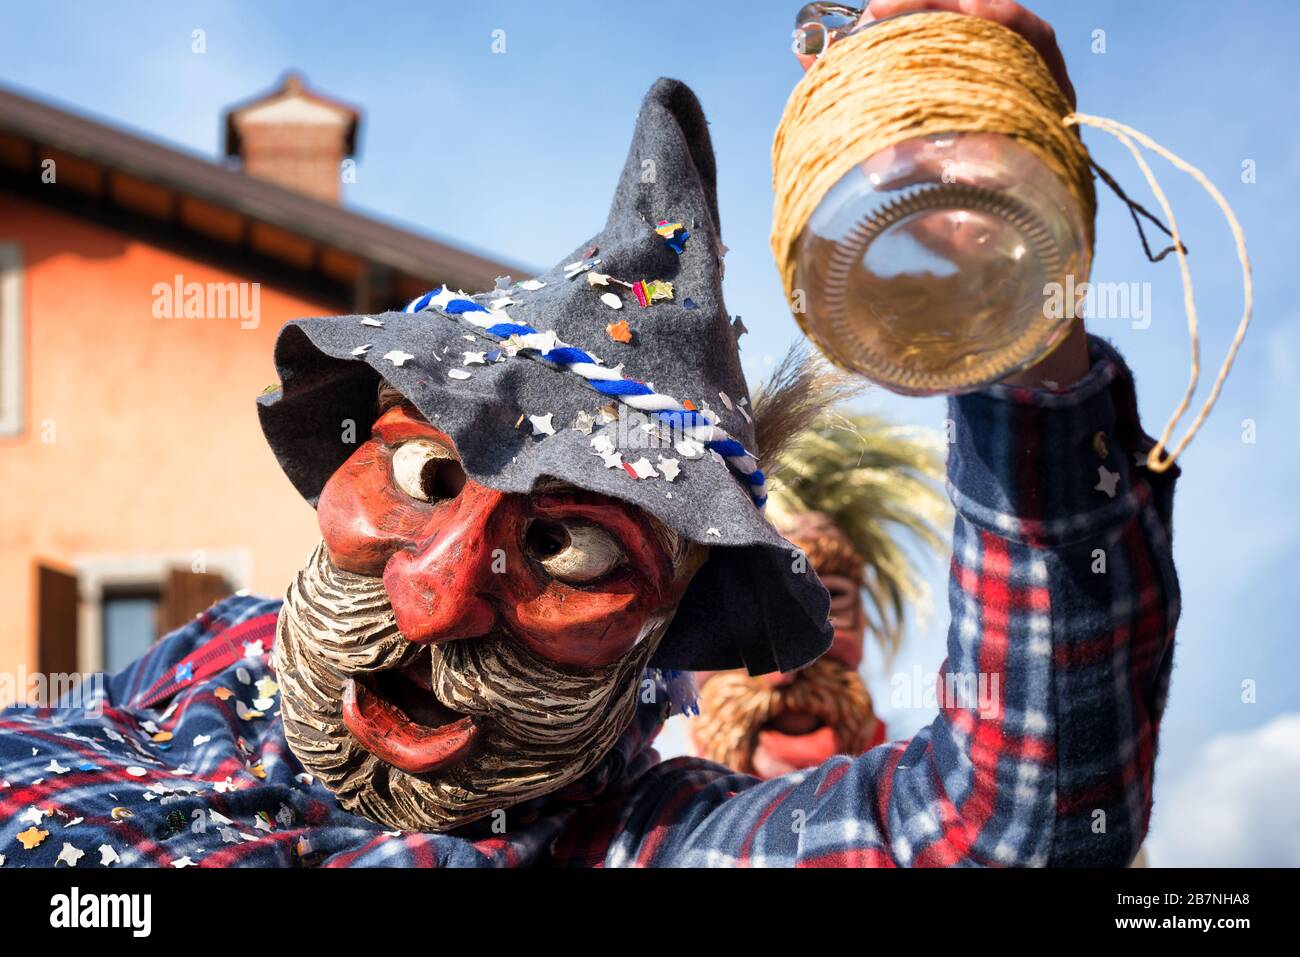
(518, 153)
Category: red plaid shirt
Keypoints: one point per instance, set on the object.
(1063, 599)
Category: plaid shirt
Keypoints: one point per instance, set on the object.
(1063, 599)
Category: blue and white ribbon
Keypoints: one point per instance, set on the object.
(610, 382)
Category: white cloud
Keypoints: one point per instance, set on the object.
(1239, 806)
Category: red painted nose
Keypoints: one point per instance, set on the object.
(440, 587)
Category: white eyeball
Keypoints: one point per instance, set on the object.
(427, 471)
(576, 553)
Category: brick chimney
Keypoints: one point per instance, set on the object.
(293, 137)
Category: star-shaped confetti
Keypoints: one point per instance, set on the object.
(54, 767)
(69, 855)
(542, 424)
(1107, 481)
(619, 331)
(31, 838)
(474, 358)
(689, 448)
(641, 468)
(397, 357)
(183, 862)
(543, 342)
(612, 460)
(669, 468)
(223, 694)
(584, 423)
(108, 855)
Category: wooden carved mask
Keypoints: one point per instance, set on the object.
(451, 650)
(774, 724)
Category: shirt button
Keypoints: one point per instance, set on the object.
(1100, 445)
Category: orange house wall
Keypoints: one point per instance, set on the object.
(157, 446)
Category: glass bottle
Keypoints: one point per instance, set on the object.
(939, 265)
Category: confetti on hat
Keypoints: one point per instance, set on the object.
(696, 426)
(674, 235)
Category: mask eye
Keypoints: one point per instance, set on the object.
(427, 471)
(576, 553)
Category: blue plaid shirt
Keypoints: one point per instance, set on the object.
(1063, 599)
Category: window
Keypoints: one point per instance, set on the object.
(11, 339)
(121, 604)
(130, 624)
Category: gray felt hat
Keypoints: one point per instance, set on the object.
(750, 605)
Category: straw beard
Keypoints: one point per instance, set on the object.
(735, 707)
(542, 727)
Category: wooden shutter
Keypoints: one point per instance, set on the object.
(56, 623)
(186, 594)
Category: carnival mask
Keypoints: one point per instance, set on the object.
(451, 650)
(773, 724)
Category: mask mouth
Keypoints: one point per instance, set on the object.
(794, 724)
(777, 753)
(395, 715)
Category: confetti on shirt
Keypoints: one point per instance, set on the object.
(31, 838)
(69, 855)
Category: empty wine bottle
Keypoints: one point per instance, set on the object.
(929, 266)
